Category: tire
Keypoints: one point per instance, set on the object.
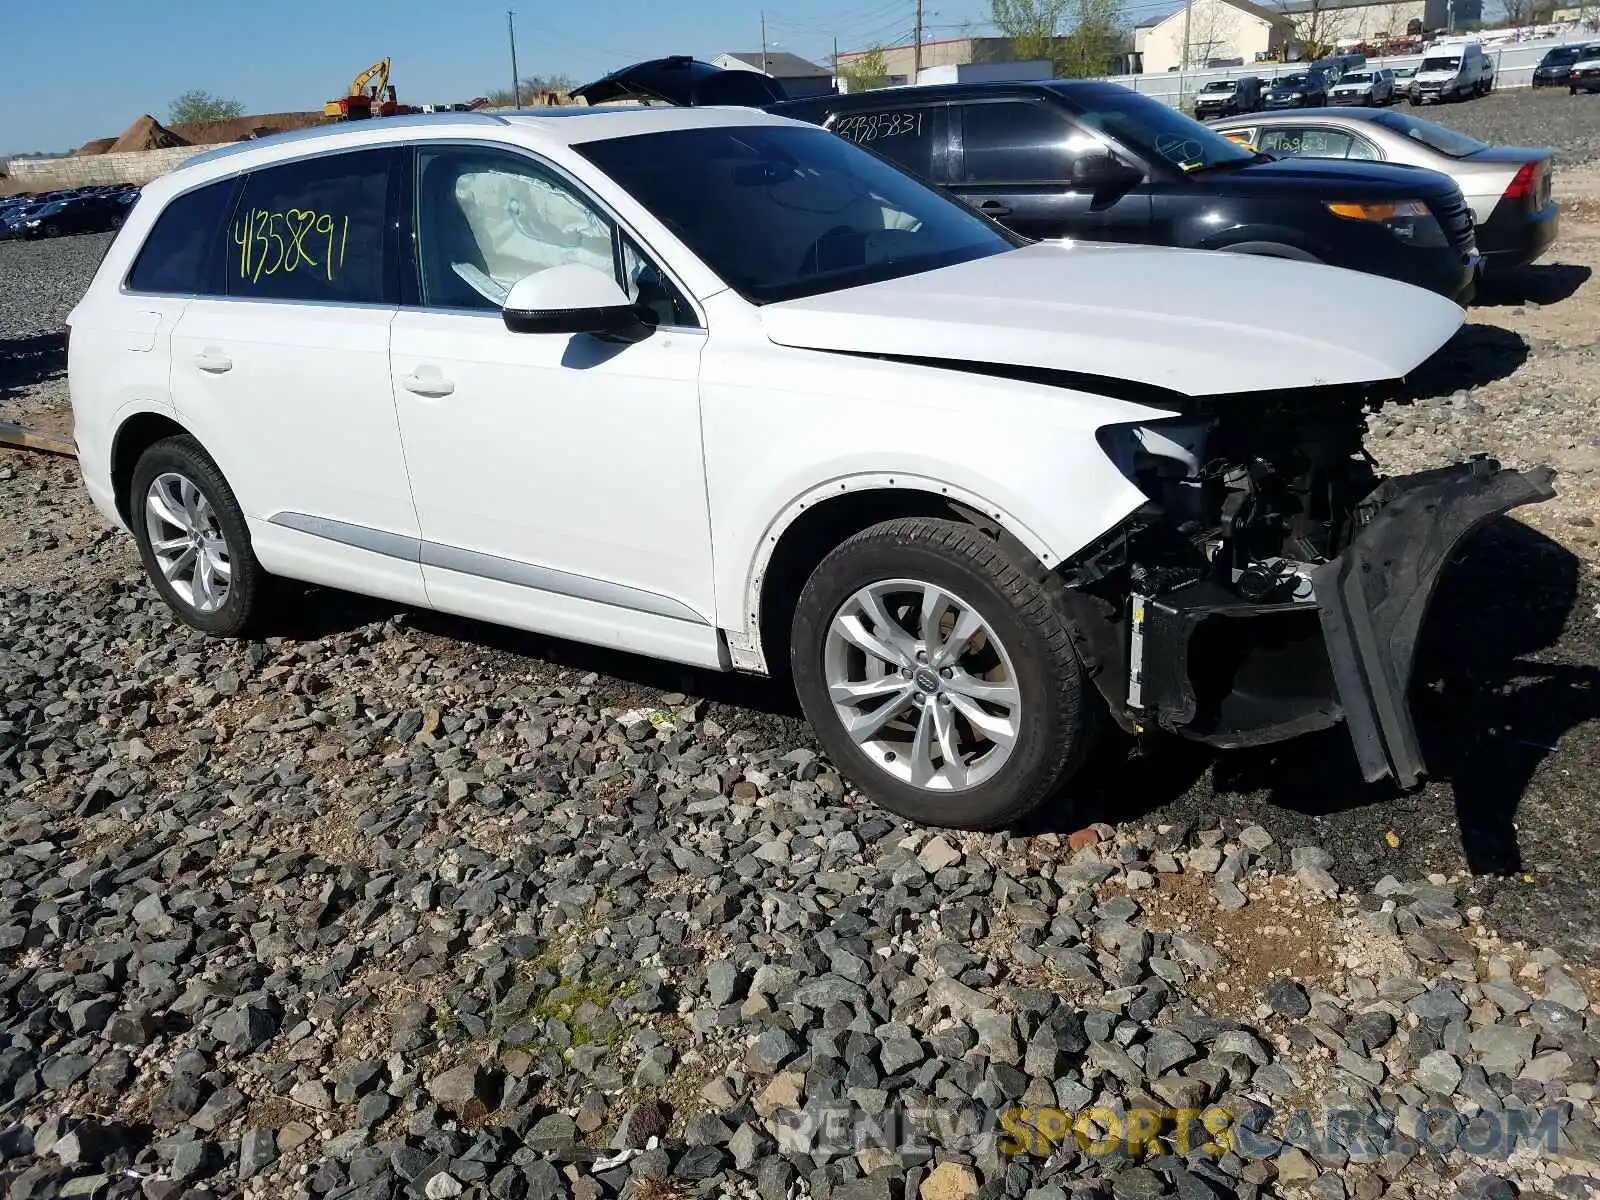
(1025, 641)
(175, 462)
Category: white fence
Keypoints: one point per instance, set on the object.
(1513, 67)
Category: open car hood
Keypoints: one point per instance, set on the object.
(1146, 315)
(683, 81)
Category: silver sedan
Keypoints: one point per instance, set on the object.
(1508, 188)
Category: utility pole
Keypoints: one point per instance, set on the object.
(764, 41)
(516, 84)
(1183, 59)
(836, 62)
(916, 54)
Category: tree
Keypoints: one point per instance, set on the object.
(1095, 40)
(533, 87)
(1034, 26)
(866, 71)
(200, 105)
(1310, 28)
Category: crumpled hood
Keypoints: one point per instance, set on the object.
(1195, 322)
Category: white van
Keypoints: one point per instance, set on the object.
(1453, 71)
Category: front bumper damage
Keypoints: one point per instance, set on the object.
(1205, 663)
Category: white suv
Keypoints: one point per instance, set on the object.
(723, 388)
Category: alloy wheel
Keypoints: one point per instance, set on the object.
(187, 541)
(921, 682)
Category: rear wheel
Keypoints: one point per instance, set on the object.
(939, 674)
(193, 540)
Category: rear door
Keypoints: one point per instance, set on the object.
(284, 377)
(1012, 159)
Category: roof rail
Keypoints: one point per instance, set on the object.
(337, 129)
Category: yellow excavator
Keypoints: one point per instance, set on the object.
(371, 95)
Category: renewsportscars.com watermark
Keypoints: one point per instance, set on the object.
(841, 1128)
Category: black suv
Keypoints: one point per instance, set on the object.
(1099, 161)
(1228, 98)
(1302, 89)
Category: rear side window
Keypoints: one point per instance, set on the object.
(182, 253)
(903, 135)
(1014, 141)
(313, 231)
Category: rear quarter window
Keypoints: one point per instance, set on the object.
(183, 253)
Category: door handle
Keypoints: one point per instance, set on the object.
(213, 361)
(427, 382)
(993, 208)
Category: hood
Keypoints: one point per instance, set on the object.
(685, 82)
(1144, 315)
(1327, 178)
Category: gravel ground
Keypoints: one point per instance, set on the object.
(1524, 117)
(397, 905)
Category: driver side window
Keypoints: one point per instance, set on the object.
(486, 218)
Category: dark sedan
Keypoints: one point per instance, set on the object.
(95, 212)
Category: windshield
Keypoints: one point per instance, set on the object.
(1564, 54)
(1357, 77)
(1446, 141)
(781, 212)
(1226, 85)
(1290, 81)
(1441, 64)
(1153, 129)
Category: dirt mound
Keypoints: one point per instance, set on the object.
(146, 133)
(98, 146)
(211, 133)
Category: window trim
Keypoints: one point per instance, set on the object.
(402, 156)
(407, 233)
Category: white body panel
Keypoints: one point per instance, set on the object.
(580, 456)
(302, 424)
(1136, 313)
(630, 494)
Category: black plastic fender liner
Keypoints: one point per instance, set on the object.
(1372, 599)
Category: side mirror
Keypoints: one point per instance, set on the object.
(1102, 172)
(573, 298)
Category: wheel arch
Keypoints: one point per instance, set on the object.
(134, 436)
(814, 524)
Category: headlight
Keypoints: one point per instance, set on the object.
(1380, 212)
(1409, 220)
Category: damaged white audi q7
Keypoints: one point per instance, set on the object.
(722, 388)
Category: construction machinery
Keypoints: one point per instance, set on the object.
(371, 95)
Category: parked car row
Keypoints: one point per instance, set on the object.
(1556, 68)
(94, 209)
(732, 391)
(1452, 71)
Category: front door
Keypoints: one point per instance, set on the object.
(1013, 160)
(559, 479)
(284, 375)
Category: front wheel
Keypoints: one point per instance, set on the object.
(939, 674)
(193, 540)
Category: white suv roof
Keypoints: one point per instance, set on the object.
(543, 127)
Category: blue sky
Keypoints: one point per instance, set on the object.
(80, 69)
